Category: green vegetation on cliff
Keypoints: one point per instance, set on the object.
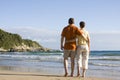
(13, 41)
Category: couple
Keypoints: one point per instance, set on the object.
(75, 42)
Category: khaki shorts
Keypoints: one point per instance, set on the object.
(69, 53)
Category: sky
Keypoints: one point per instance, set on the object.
(43, 20)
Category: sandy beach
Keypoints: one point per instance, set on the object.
(11, 75)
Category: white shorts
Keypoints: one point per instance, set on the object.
(82, 56)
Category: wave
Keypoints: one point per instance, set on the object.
(111, 58)
(105, 64)
(33, 57)
(112, 61)
(105, 53)
(52, 57)
(47, 56)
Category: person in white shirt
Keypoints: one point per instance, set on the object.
(83, 49)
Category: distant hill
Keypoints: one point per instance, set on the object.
(14, 42)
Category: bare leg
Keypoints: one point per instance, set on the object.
(84, 71)
(78, 68)
(72, 66)
(66, 67)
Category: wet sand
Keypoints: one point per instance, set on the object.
(11, 75)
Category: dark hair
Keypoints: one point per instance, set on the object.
(71, 21)
(82, 24)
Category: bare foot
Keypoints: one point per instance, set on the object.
(78, 75)
(66, 74)
(83, 75)
(71, 75)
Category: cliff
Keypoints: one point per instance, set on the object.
(14, 42)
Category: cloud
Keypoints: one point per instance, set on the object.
(47, 38)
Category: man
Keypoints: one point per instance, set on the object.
(68, 44)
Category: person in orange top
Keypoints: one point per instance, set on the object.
(68, 44)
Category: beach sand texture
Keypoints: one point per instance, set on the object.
(10, 75)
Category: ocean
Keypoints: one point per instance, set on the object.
(101, 63)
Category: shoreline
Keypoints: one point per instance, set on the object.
(11, 75)
(42, 70)
(51, 71)
(51, 65)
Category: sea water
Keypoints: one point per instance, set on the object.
(101, 63)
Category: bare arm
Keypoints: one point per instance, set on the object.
(62, 41)
(88, 38)
(72, 40)
(81, 32)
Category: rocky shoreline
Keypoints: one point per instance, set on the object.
(25, 49)
(29, 49)
(10, 42)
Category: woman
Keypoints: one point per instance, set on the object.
(83, 49)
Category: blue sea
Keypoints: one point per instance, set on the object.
(101, 63)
